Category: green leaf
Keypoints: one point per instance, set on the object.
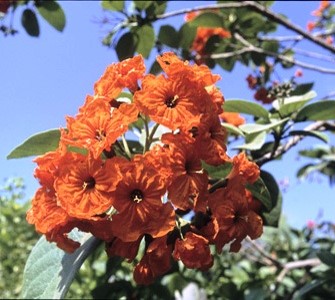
(309, 287)
(37, 144)
(246, 107)
(318, 111)
(302, 89)
(141, 5)
(112, 5)
(327, 257)
(227, 63)
(232, 129)
(207, 19)
(256, 128)
(146, 40)
(253, 141)
(292, 104)
(49, 271)
(317, 152)
(186, 35)
(272, 217)
(168, 36)
(319, 135)
(261, 192)
(271, 46)
(52, 12)
(125, 47)
(218, 172)
(30, 23)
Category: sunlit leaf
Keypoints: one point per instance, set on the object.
(146, 40)
(52, 12)
(37, 144)
(318, 111)
(30, 23)
(232, 129)
(255, 128)
(49, 271)
(253, 141)
(292, 104)
(246, 107)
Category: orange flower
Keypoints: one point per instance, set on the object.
(247, 170)
(45, 214)
(202, 36)
(127, 250)
(171, 103)
(99, 125)
(155, 262)
(190, 181)
(310, 26)
(83, 185)
(193, 251)
(211, 141)
(138, 201)
(230, 208)
(232, 118)
(120, 75)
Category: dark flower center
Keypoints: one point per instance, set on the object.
(89, 183)
(172, 101)
(136, 196)
(100, 134)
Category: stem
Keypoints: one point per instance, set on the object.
(126, 147)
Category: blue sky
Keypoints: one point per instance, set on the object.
(44, 79)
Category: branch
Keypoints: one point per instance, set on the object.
(292, 142)
(312, 262)
(252, 48)
(258, 8)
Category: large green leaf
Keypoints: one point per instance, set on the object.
(271, 218)
(302, 89)
(168, 36)
(253, 141)
(318, 111)
(30, 23)
(256, 128)
(261, 192)
(186, 35)
(37, 144)
(49, 271)
(126, 45)
(146, 40)
(218, 172)
(52, 12)
(232, 129)
(207, 19)
(327, 257)
(292, 104)
(246, 107)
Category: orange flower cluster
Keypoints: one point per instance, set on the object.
(93, 182)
